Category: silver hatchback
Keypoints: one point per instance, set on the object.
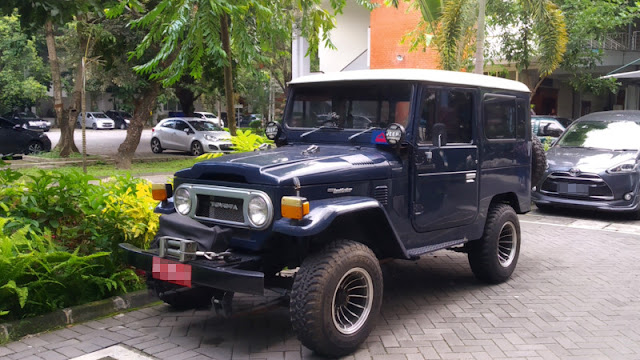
(193, 135)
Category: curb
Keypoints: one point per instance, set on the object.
(76, 314)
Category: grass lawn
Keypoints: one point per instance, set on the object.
(142, 168)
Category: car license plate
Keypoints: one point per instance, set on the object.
(171, 271)
(573, 189)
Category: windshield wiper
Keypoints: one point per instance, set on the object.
(363, 131)
(320, 128)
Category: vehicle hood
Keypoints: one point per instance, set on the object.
(220, 135)
(329, 164)
(586, 159)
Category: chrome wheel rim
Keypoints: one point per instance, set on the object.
(196, 149)
(507, 244)
(155, 145)
(352, 301)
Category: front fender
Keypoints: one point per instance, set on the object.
(324, 213)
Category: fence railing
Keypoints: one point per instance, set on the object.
(618, 41)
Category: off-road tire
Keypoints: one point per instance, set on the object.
(538, 161)
(501, 232)
(315, 289)
(156, 146)
(196, 148)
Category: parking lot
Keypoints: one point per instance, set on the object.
(574, 295)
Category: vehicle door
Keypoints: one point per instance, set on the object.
(165, 132)
(12, 140)
(182, 138)
(445, 160)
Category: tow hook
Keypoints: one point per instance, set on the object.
(222, 303)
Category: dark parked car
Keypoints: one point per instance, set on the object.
(595, 165)
(120, 118)
(28, 120)
(445, 163)
(15, 139)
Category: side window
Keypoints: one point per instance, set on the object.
(169, 124)
(500, 117)
(181, 125)
(449, 109)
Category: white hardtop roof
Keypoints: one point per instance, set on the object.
(436, 76)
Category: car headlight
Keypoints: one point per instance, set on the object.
(626, 167)
(258, 211)
(210, 137)
(182, 201)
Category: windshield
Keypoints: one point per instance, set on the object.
(210, 116)
(204, 126)
(99, 115)
(353, 105)
(610, 135)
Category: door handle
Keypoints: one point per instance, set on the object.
(471, 177)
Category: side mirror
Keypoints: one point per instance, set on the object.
(187, 131)
(439, 137)
(17, 127)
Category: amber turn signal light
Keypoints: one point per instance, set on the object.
(161, 192)
(294, 207)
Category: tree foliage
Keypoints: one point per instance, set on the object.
(23, 76)
(589, 23)
(537, 26)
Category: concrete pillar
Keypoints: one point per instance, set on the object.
(631, 98)
(300, 63)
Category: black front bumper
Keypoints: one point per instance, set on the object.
(217, 274)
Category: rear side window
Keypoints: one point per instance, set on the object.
(169, 124)
(448, 109)
(500, 117)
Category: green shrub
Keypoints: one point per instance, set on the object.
(244, 141)
(36, 276)
(255, 124)
(58, 237)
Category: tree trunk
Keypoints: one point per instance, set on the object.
(55, 72)
(479, 68)
(141, 115)
(186, 97)
(67, 144)
(228, 75)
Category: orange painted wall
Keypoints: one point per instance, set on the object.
(388, 26)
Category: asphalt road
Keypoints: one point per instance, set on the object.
(106, 142)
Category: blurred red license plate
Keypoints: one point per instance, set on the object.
(171, 271)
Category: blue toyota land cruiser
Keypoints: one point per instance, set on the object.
(369, 165)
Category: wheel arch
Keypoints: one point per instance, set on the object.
(344, 218)
(509, 198)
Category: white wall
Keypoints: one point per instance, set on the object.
(350, 37)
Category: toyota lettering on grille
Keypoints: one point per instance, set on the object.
(221, 205)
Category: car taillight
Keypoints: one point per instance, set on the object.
(152, 130)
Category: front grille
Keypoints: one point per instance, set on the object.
(381, 193)
(220, 208)
(580, 186)
(226, 206)
(226, 147)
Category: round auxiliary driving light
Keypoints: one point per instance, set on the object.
(394, 134)
(628, 196)
(182, 201)
(258, 211)
(272, 130)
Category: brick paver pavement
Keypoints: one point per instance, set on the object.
(574, 295)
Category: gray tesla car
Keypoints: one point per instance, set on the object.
(595, 165)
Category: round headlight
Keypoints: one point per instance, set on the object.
(258, 211)
(271, 130)
(182, 201)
